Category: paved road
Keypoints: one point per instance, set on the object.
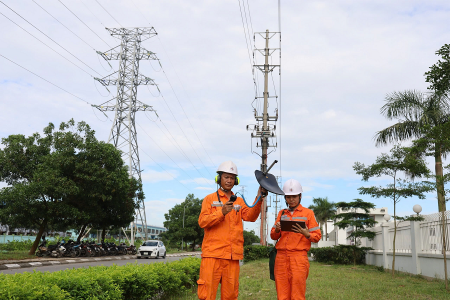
(90, 264)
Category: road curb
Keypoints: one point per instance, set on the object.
(34, 264)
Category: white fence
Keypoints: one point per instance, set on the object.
(418, 246)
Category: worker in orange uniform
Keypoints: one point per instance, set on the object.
(291, 263)
(223, 242)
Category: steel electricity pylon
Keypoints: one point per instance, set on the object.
(264, 130)
(123, 133)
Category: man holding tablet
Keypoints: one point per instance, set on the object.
(295, 229)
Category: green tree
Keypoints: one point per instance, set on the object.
(188, 211)
(437, 139)
(50, 183)
(418, 113)
(439, 74)
(324, 210)
(356, 215)
(250, 237)
(399, 161)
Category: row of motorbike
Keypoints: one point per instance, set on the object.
(83, 249)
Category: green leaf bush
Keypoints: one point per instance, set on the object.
(256, 252)
(16, 245)
(340, 254)
(132, 281)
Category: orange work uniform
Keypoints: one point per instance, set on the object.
(291, 263)
(223, 245)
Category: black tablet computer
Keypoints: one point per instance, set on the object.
(287, 225)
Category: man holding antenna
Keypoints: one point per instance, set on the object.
(223, 244)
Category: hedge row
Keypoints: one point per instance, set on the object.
(256, 252)
(132, 281)
(341, 254)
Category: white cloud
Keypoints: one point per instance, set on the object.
(199, 181)
(204, 188)
(155, 176)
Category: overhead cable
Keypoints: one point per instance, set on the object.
(179, 126)
(172, 87)
(149, 136)
(64, 25)
(44, 79)
(47, 45)
(84, 23)
(108, 13)
(49, 37)
(182, 108)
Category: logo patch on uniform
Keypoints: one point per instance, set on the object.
(236, 207)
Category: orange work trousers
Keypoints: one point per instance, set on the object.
(214, 271)
(291, 272)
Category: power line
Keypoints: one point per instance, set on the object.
(166, 171)
(176, 74)
(179, 126)
(182, 108)
(95, 16)
(47, 45)
(248, 48)
(163, 150)
(176, 143)
(49, 37)
(108, 13)
(83, 23)
(279, 30)
(44, 79)
(64, 25)
(165, 74)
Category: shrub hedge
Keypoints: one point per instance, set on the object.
(340, 254)
(16, 245)
(132, 281)
(256, 252)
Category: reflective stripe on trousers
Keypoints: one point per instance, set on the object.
(225, 271)
(291, 272)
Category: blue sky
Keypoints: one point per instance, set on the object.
(339, 60)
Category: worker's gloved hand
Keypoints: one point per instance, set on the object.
(227, 207)
(262, 192)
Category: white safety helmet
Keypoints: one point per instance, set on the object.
(292, 187)
(228, 167)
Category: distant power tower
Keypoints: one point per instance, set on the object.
(123, 133)
(264, 130)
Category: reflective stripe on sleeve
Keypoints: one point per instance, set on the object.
(315, 228)
(300, 218)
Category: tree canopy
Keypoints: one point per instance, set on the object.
(191, 232)
(324, 210)
(63, 179)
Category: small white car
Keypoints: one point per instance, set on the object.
(152, 248)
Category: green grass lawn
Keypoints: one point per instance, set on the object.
(17, 254)
(338, 282)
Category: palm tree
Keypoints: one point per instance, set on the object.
(324, 211)
(416, 112)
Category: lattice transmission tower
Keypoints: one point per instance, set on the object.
(123, 133)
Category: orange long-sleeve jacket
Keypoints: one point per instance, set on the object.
(224, 235)
(292, 241)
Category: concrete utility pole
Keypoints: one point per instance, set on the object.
(267, 131)
(123, 134)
